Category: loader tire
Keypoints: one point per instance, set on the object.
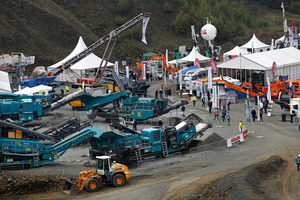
(118, 180)
(92, 185)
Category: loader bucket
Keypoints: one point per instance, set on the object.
(72, 187)
(74, 190)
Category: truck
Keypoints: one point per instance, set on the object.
(132, 147)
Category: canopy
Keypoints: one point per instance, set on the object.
(236, 51)
(149, 54)
(255, 44)
(192, 57)
(4, 82)
(90, 62)
(33, 90)
(264, 60)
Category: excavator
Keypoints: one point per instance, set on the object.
(106, 171)
(160, 57)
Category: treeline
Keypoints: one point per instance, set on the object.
(233, 18)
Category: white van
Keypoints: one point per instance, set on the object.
(195, 74)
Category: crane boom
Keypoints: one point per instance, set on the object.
(95, 45)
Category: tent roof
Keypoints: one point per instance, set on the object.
(192, 57)
(236, 51)
(264, 60)
(90, 62)
(149, 54)
(4, 82)
(256, 44)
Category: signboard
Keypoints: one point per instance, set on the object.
(235, 140)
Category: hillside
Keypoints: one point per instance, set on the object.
(50, 29)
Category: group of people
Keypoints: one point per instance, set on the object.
(225, 116)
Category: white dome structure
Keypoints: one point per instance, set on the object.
(208, 32)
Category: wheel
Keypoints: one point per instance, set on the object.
(92, 185)
(118, 180)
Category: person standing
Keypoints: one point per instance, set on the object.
(183, 109)
(228, 104)
(109, 91)
(297, 161)
(79, 88)
(209, 106)
(261, 106)
(134, 124)
(265, 105)
(224, 105)
(223, 115)
(261, 115)
(161, 93)
(228, 118)
(216, 114)
(253, 113)
(203, 101)
(67, 89)
(241, 126)
(160, 123)
(194, 100)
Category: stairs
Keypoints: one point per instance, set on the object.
(164, 149)
(138, 156)
(118, 81)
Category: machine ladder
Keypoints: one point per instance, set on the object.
(138, 156)
(118, 81)
(94, 46)
(164, 149)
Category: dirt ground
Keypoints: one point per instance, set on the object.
(262, 167)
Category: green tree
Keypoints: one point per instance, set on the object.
(180, 23)
(123, 6)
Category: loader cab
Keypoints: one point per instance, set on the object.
(104, 164)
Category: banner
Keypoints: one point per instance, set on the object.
(180, 80)
(274, 68)
(248, 107)
(145, 23)
(127, 71)
(197, 63)
(143, 71)
(190, 82)
(214, 97)
(209, 76)
(269, 89)
(214, 65)
(117, 67)
(234, 140)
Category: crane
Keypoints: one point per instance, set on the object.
(95, 45)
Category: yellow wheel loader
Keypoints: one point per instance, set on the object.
(106, 171)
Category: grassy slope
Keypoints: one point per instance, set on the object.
(50, 29)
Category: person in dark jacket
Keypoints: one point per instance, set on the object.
(183, 109)
(253, 113)
(160, 123)
(209, 106)
(134, 124)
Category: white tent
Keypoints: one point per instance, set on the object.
(30, 91)
(90, 62)
(256, 45)
(236, 51)
(192, 57)
(4, 82)
(287, 61)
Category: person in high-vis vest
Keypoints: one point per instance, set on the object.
(67, 89)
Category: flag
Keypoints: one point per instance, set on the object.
(269, 89)
(197, 63)
(274, 68)
(190, 82)
(272, 44)
(214, 65)
(143, 71)
(145, 23)
(167, 60)
(252, 50)
(117, 67)
(127, 71)
(209, 77)
(180, 80)
(282, 6)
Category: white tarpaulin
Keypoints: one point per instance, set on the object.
(192, 57)
(90, 62)
(30, 91)
(236, 51)
(4, 82)
(255, 44)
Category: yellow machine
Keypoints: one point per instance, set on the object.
(77, 104)
(111, 87)
(106, 171)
